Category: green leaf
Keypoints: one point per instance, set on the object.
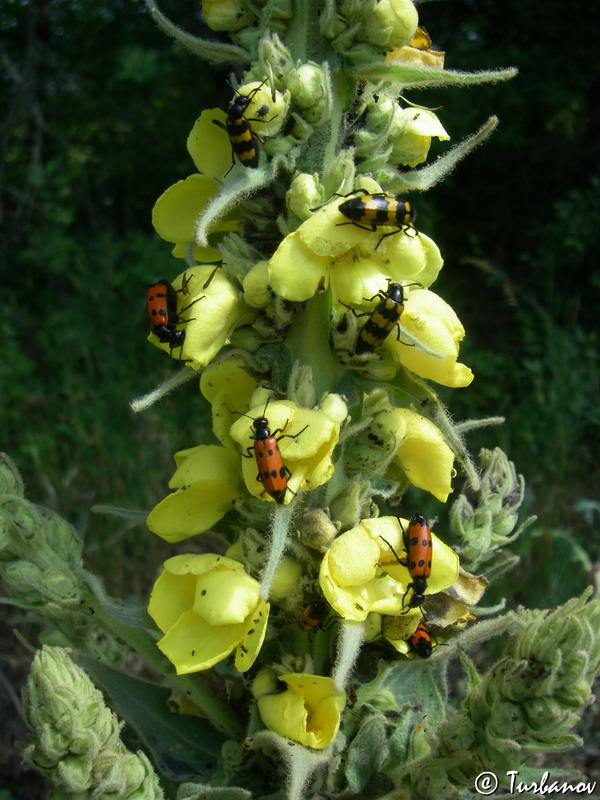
(420, 683)
(132, 616)
(420, 180)
(213, 52)
(367, 752)
(400, 739)
(416, 76)
(134, 516)
(200, 791)
(243, 184)
(182, 747)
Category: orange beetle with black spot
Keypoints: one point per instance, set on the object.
(418, 545)
(163, 317)
(272, 472)
(313, 616)
(420, 641)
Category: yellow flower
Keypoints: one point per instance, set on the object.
(432, 321)
(308, 711)
(206, 482)
(207, 606)
(422, 455)
(209, 315)
(411, 134)
(307, 438)
(327, 249)
(360, 574)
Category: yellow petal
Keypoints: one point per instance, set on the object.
(171, 596)
(253, 638)
(210, 321)
(308, 712)
(226, 385)
(176, 210)
(296, 272)
(225, 596)
(210, 480)
(431, 320)
(209, 145)
(192, 644)
(424, 455)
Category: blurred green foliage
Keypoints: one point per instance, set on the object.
(98, 104)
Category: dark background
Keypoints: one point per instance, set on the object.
(97, 107)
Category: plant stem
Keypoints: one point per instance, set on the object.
(306, 338)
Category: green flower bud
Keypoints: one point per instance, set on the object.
(489, 525)
(307, 84)
(351, 503)
(533, 697)
(76, 737)
(388, 23)
(10, 480)
(287, 575)
(317, 530)
(226, 15)
(432, 783)
(265, 683)
(274, 58)
(22, 580)
(233, 753)
(303, 195)
(256, 286)
(62, 586)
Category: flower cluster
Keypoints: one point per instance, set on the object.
(290, 306)
(304, 306)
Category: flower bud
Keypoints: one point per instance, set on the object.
(10, 479)
(316, 530)
(388, 23)
(273, 56)
(303, 195)
(23, 579)
(307, 85)
(265, 683)
(256, 286)
(62, 586)
(351, 503)
(533, 696)
(287, 575)
(267, 108)
(76, 740)
(226, 15)
(485, 527)
(411, 134)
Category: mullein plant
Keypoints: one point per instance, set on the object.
(306, 656)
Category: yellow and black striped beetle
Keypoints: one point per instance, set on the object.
(372, 211)
(382, 319)
(244, 141)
